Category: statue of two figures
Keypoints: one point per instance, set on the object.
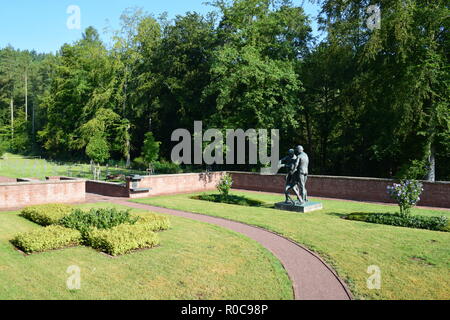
(296, 162)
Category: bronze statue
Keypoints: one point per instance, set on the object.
(301, 171)
(296, 163)
(290, 162)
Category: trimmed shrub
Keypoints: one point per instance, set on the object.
(408, 221)
(48, 238)
(123, 239)
(230, 199)
(98, 218)
(46, 214)
(153, 222)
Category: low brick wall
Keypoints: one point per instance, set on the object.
(7, 180)
(177, 183)
(436, 194)
(106, 188)
(14, 195)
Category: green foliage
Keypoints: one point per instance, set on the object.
(48, 238)
(362, 102)
(4, 146)
(153, 222)
(123, 239)
(406, 193)
(97, 149)
(414, 170)
(99, 218)
(46, 214)
(231, 199)
(408, 221)
(224, 185)
(166, 167)
(150, 149)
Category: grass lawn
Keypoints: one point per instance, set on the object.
(415, 264)
(16, 166)
(195, 261)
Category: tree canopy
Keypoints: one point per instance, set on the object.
(363, 101)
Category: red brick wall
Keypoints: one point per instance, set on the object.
(14, 195)
(178, 183)
(435, 194)
(7, 180)
(106, 189)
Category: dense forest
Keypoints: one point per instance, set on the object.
(362, 101)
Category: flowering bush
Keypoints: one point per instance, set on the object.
(224, 185)
(406, 193)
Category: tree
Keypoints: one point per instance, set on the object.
(97, 149)
(150, 149)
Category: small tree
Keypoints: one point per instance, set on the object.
(224, 185)
(406, 193)
(150, 149)
(98, 150)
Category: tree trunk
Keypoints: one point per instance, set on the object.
(12, 118)
(431, 175)
(26, 96)
(32, 119)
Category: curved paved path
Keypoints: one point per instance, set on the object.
(311, 277)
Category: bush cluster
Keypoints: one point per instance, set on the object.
(47, 214)
(98, 218)
(400, 220)
(48, 238)
(108, 229)
(123, 239)
(153, 222)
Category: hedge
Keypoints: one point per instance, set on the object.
(48, 238)
(153, 222)
(122, 239)
(46, 214)
(408, 221)
(230, 199)
(97, 218)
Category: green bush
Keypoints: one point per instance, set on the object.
(123, 239)
(231, 199)
(224, 185)
(99, 218)
(48, 238)
(408, 221)
(139, 164)
(166, 167)
(153, 222)
(47, 214)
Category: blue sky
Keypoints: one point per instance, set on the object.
(41, 24)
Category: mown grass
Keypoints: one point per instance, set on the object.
(415, 264)
(195, 261)
(16, 166)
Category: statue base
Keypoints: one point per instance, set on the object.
(302, 208)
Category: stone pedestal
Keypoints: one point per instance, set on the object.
(302, 208)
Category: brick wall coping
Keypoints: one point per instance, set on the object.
(183, 174)
(40, 182)
(105, 182)
(340, 177)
